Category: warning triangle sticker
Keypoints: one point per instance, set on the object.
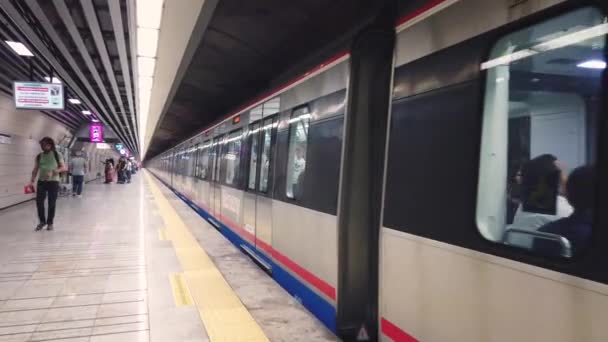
(363, 335)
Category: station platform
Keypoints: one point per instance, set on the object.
(134, 263)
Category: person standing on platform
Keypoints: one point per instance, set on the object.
(109, 171)
(121, 167)
(78, 170)
(129, 170)
(48, 166)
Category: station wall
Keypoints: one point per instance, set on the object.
(20, 131)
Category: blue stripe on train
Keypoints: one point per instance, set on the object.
(316, 304)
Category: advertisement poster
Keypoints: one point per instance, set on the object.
(36, 95)
(96, 133)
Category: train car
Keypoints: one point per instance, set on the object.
(267, 177)
(486, 93)
(491, 228)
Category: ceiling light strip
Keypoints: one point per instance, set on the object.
(116, 15)
(149, 18)
(91, 16)
(111, 116)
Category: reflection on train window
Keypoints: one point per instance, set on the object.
(253, 158)
(536, 186)
(215, 149)
(203, 161)
(265, 162)
(232, 156)
(298, 139)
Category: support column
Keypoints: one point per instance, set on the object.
(362, 174)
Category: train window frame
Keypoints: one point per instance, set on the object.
(197, 151)
(216, 147)
(206, 148)
(495, 78)
(270, 128)
(298, 114)
(236, 180)
(253, 162)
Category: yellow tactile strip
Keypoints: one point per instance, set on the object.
(224, 316)
(181, 293)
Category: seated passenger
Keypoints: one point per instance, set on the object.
(542, 188)
(576, 227)
(542, 201)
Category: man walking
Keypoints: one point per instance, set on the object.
(48, 166)
(78, 170)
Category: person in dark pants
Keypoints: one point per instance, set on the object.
(48, 166)
(78, 169)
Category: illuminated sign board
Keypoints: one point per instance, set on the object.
(103, 146)
(96, 133)
(36, 95)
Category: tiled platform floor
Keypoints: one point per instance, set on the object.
(102, 275)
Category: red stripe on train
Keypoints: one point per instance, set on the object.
(427, 7)
(303, 273)
(394, 332)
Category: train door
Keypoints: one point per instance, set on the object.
(205, 175)
(263, 232)
(215, 183)
(249, 196)
(172, 168)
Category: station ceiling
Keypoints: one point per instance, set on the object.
(248, 48)
(83, 43)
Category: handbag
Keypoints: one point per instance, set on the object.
(29, 189)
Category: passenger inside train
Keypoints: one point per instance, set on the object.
(577, 226)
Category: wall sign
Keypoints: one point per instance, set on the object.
(36, 95)
(96, 133)
(5, 139)
(103, 146)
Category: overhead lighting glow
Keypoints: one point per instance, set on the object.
(145, 83)
(74, 101)
(145, 65)
(94, 120)
(147, 42)
(149, 13)
(19, 48)
(55, 80)
(86, 112)
(560, 42)
(592, 64)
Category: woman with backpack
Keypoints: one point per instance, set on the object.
(48, 166)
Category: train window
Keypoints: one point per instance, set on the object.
(197, 156)
(231, 157)
(215, 149)
(253, 158)
(202, 163)
(298, 140)
(539, 140)
(266, 155)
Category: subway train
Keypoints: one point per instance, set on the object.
(493, 177)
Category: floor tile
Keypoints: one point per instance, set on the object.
(136, 336)
(121, 309)
(72, 313)
(60, 334)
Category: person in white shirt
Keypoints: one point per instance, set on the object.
(78, 171)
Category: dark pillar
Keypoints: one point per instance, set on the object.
(362, 176)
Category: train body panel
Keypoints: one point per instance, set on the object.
(441, 292)
(450, 279)
(240, 175)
